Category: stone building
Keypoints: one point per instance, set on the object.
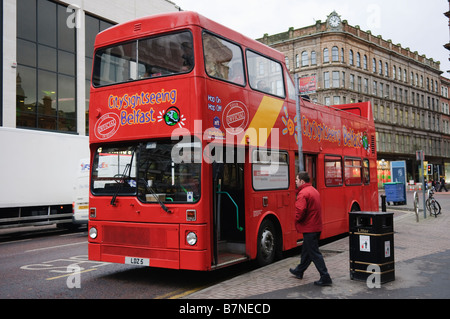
(338, 63)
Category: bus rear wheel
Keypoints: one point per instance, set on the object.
(267, 243)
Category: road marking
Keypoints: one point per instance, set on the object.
(16, 241)
(186, 293)
(53, 247)
(71, 274)
(179, 293)
(169, 294)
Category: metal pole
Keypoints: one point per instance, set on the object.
(422, 180)
(301, 166)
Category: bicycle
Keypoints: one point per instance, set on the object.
(432, 204)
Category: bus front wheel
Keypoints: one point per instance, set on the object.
(267, 243)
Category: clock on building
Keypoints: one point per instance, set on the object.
(334, 20)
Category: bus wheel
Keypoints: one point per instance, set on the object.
(267, 243)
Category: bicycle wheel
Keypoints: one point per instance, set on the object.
(428, 205)
(435, 208)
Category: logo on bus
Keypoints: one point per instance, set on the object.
(172, 116)
(235, 117)
(107, 126)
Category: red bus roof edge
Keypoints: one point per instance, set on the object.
(167, 22)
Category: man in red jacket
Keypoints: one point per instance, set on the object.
(308, 220)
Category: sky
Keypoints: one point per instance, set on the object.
(417, 24)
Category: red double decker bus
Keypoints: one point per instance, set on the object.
(194, 148)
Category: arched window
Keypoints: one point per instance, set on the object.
(351, 58)
(305, 58)
(358, 60)
(335, 54)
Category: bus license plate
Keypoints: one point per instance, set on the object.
(137, 261)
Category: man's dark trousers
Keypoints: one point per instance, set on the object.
(311, 253)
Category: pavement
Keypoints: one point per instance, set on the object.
(421, 254)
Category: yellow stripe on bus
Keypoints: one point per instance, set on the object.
(265, 117)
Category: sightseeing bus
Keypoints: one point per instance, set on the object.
(194, 148)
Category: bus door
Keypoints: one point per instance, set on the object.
(229, 207)
(310, 166)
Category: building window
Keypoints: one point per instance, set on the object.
(326, 57)
(313, 58)
(46, 65)
(365, 62)
(358, 60)
(374, 65)
(326, 80)
(305, 58)
(336, 79)
(351, 58)
(336, 100)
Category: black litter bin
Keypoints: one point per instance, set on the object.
(372, 245)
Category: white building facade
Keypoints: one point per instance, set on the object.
(47, 52)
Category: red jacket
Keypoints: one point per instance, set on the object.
(308, 210)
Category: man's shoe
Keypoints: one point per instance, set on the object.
(296, 274)
(323, 282)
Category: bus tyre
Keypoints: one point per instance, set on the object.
(267, 243)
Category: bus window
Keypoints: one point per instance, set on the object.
(146, 58)
(270, 170)
(223, 59)
(333, 171)
(352, 171)
(115, 64)
(366, 172)
(114, 171)
(166, 55)
(169, 170)
(290, 86)
(265, 75)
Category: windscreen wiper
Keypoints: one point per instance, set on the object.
(121, 178)
(152, 191)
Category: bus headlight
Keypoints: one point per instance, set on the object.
(191, 238)
(93, 233)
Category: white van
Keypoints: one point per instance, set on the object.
(81, 194)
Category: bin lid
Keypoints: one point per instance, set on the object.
(393, 183)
